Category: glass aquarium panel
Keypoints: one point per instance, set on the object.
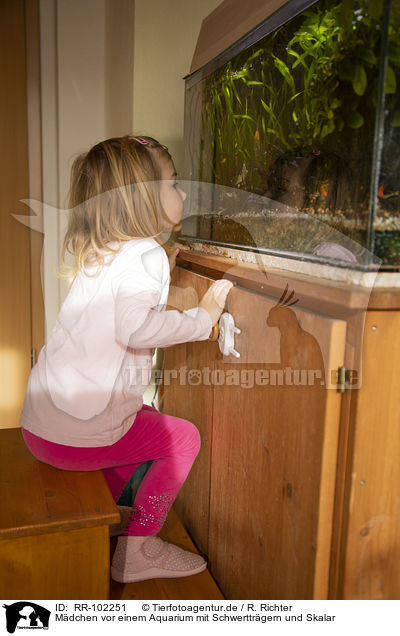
(293, 120)
(386, 222)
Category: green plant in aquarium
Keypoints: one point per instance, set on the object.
(273, 100)
(309, 117)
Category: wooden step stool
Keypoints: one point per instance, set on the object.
(54, 527)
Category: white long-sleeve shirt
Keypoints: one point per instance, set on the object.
(89, 380)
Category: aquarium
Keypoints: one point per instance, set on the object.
(292, 137)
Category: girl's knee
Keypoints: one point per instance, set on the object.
(191, 437)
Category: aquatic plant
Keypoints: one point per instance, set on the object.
(293, 118)
(295, 90)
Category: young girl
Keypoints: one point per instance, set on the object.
(83, 407)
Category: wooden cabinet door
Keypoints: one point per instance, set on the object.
(274, 453)
(263, 483)
(186, 397)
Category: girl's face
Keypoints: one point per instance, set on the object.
(172, 197)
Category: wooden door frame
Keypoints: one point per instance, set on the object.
(33, 102)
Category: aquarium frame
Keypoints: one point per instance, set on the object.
(278, 18)
(379, 131)
(296, 256)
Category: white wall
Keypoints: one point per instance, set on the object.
(166, 34)
(119, 23)
(73, 115)
(108, 67)
(87, 95)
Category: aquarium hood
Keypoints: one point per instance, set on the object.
(235, 24)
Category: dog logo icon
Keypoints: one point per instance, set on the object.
(26, 615)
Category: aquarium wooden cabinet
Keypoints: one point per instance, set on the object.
(294, 494)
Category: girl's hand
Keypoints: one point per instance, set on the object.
(215, 297)
(175, 251)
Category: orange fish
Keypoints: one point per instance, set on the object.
(324, 192)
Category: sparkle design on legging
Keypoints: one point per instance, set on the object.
(160, 505)
(139, 515)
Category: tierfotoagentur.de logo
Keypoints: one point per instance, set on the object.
(26, 615)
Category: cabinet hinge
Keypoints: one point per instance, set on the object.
(341, 380)
(33, 357)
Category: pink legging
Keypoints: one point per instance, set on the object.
(171, 442)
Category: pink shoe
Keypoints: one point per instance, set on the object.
(142, 558)
(118, 528)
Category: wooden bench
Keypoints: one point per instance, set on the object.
(54, 527)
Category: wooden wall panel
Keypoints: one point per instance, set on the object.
(371, 563)
(15, 320)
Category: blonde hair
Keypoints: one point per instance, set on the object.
(113, 197)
